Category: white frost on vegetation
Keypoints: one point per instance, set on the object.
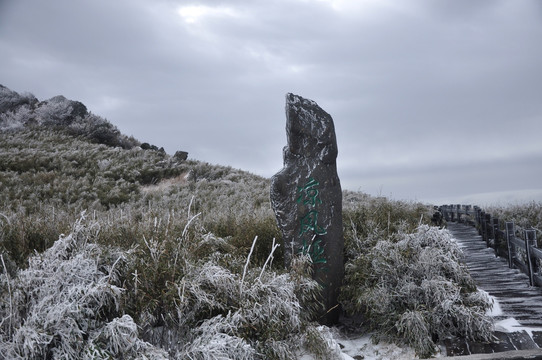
(263, 306)
(69, 304)
(414, 288)
(59, 306)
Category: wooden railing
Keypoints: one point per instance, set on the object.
(517, 245)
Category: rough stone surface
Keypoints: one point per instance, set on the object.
(307, 198)
(181, 155)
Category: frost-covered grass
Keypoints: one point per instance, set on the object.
(76, 300)
(524, 216)
(49, 177)
(66, 304)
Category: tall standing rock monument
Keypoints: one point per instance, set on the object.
(306, 197)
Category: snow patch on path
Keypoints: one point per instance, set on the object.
(365, 347)
(496, 309)
(510, 324)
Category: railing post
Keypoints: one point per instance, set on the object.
(530, 240)
(509, 236)
(496, 242)
(487, 226)
(479, 220)
(468, 212)
(482, 225)
(458, 210)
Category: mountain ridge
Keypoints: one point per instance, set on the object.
(25, 110)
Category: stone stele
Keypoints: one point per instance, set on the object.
(306, 197)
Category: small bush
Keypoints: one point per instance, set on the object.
(416, 290)
(65, 304)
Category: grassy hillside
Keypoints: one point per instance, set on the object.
(109, 250)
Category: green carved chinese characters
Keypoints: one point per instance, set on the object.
(309, 227)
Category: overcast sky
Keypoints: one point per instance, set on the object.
(438, 100)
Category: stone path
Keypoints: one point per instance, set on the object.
(510, 287)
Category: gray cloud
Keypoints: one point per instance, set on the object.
(421, 93)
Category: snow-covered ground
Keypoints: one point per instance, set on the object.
(362, 347)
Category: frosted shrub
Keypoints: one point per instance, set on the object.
(414, 325)
(15, 119)
(11, 100)
(119, 339)
(253, 315)
(205, 291)
(55, 111)
(416, 289)
(120, 335)
(214, 340)
(316, 336)
(59, 306)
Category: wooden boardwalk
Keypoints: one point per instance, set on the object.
(510, 287)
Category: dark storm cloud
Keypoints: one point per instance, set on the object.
(421, 92)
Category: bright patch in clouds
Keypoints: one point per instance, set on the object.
(194, 13)
(355, 5)
(108, 103)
